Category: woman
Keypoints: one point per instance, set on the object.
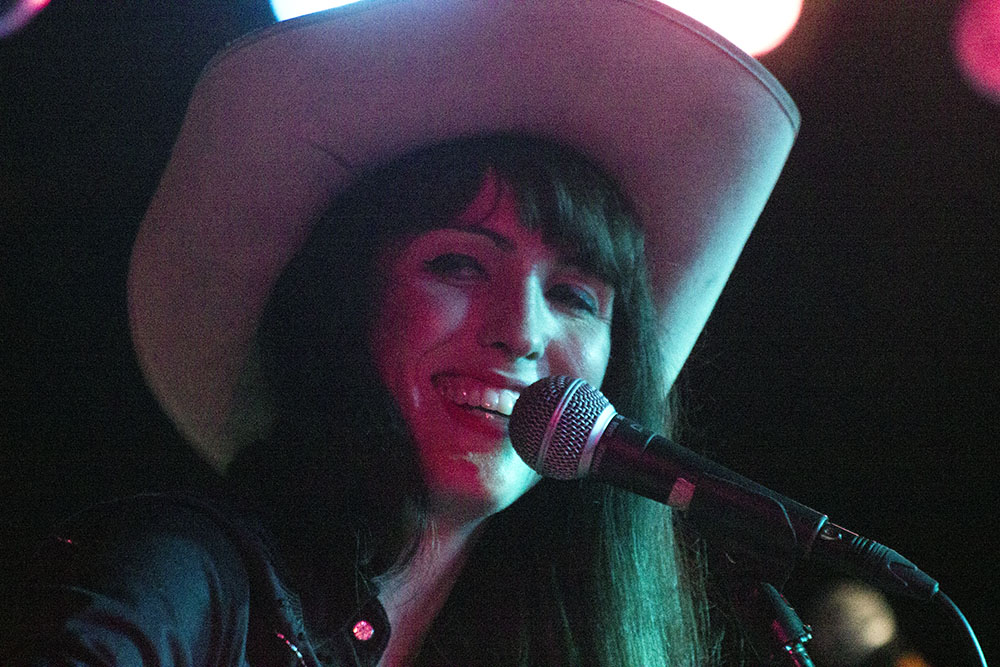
(474, 244)
(497, 261)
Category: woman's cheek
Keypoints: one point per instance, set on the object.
(440, 310)
(586, 355)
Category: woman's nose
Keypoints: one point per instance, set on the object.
(518, 321)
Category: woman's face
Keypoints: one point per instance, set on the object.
(468, 316)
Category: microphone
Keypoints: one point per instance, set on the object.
(566, 429)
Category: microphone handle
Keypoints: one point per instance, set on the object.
(743, 517)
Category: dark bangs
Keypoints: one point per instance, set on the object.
(559, 192)
(575, 206)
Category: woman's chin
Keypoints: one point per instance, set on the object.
(477, 485)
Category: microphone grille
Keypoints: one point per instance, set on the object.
(552, 422)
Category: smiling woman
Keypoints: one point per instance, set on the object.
(378, 225)
(496, 261)
(472, 314)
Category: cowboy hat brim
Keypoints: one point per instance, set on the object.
(693, 130)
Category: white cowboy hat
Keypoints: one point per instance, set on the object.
(694, 130)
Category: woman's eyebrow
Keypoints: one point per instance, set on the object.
(499, 240)
(507, 245)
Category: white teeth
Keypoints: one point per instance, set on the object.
(490, 399)
(506, 403)
(466, 391)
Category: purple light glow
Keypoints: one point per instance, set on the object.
(19, 15)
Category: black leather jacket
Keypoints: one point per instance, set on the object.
(168, 580)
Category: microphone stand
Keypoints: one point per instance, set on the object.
(770, 625)
(774, 630)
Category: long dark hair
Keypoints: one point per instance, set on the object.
(574, 573)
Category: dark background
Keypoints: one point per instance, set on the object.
(851, 362)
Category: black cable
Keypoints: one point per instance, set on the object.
(952, 610)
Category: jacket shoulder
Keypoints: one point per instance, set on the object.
(136, 578)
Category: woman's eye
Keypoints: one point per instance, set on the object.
(575, 298)
(455, 265)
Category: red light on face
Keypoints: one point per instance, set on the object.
(976, 41)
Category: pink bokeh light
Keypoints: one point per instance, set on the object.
(976, 42)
